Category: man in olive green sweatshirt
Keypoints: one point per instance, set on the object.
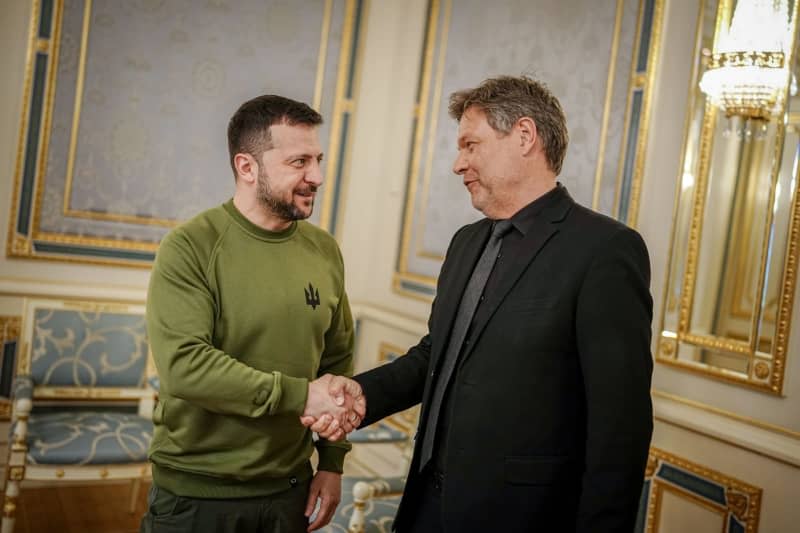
(247, 319)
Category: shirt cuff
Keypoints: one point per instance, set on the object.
(294, 394)
(331, 456)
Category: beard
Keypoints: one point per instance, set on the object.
(277, 206)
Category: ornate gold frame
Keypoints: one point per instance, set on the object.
(124, 252)
(643, 82)
(764, 373)
(404, 282)
(742, 501)
(423, 287)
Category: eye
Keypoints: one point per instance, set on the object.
(471, 146)
(298, 163)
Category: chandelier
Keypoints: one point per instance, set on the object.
(748, 71)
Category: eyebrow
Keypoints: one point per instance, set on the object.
(306, 156)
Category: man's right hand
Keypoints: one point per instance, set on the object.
(335, 406)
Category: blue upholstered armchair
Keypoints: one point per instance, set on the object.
(82, 401)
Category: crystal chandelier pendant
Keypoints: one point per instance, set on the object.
(748, 71)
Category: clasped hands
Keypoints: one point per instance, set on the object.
(335, 406)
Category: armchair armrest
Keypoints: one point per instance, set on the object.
(363, 491)
(22, 394)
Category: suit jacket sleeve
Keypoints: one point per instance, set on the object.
(396, 386)
(613, 319)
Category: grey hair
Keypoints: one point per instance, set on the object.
(506, 99)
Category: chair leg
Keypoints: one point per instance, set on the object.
(10, 506)
(136, 484)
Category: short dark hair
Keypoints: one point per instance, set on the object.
(249, 127)
(506, 99)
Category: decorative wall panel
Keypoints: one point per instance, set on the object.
(736, 503)
(593, 55)
(126, 109)
(632, 69)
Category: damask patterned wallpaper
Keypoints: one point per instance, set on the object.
(133, 100)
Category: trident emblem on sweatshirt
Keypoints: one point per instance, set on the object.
(312, 296)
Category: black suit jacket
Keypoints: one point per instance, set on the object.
(552, 414)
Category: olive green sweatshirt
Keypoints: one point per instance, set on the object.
(239, 320)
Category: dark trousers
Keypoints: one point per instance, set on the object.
(428, 512)
(276, 513)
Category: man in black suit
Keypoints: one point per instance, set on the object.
(534, 377)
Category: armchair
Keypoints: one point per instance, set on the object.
(81, 403)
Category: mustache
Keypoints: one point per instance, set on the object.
(307, 190)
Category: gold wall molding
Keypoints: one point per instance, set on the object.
(794, 434)
(433, 118)
(323, 49)
(342, 107)
(770, 441)
(643, 82)
(403, 276)
(24, 287)
(18, 244)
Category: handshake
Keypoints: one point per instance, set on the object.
(335, 406)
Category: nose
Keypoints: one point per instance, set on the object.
(314, 174)
(460, 164)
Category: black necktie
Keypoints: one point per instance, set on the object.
(466, 310)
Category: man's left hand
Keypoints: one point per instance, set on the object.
(327, 487)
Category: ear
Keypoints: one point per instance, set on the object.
(246, 167)
(526, 129)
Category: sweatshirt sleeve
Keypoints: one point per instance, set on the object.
(180, 321)
(337, 359)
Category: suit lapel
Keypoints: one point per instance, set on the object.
(544, 227)
(453, 283)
